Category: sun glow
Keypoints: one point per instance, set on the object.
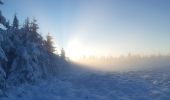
(75, 49)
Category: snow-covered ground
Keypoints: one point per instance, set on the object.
(143, 85)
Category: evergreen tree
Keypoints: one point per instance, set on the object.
(2, 19)
(34, 25)
(62, 53)
(7, 24)
(27, 24)
(49, 44)
(15, 22)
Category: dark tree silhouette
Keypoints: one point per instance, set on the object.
(49, 43)
(2, 19)
(7, 24)
(15, 22)
(27, 24)
(62, 53)
(34, 26)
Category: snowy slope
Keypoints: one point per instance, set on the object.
(144, 85)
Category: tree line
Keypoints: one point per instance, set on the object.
(31, 27)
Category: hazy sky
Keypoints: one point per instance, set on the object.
(100, 27)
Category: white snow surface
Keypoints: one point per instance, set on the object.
(74, 85)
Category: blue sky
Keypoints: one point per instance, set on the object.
(104, 27)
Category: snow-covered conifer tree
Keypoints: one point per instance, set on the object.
(34, 25)
(15, 22)
(27, 24)
(49, 43)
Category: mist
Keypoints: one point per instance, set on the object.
(125, 63)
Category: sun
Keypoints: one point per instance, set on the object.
(75, 49)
